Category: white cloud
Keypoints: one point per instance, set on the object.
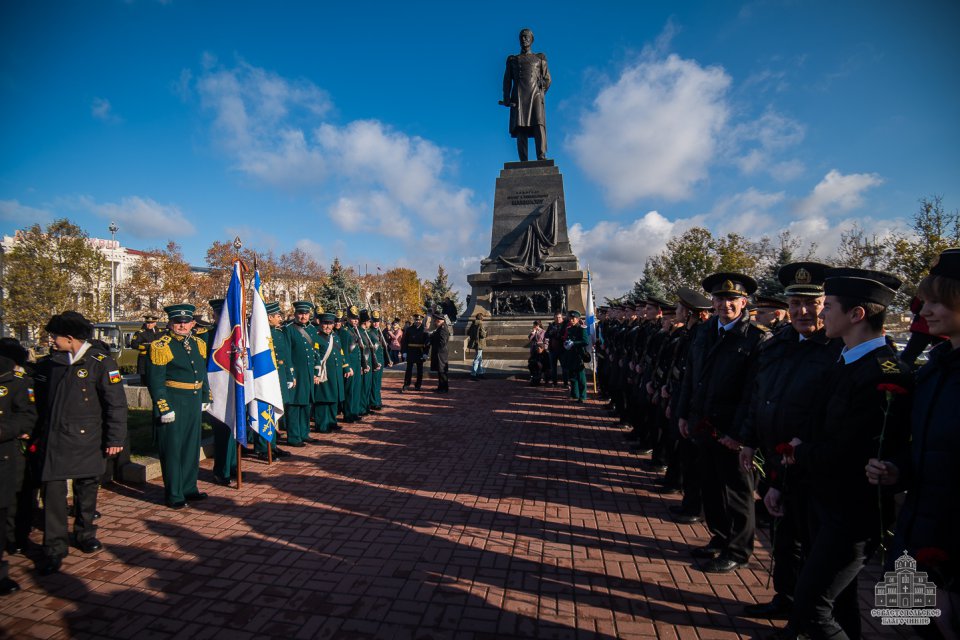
(748, 213)
(758, 142)
(13, 211)
(101, 109)
(617, 252)
(383, 180)
(837, 193)
(139, 217)
(654, 132)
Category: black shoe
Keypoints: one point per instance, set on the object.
(707, 552)
(177, 505)
(91, 545)
(416, 388)
(655, 468)
(336, 427)
(777, 609)
(280, 453)
(676, 509)
(263, 456)
(194, 497)
(378, 408)
(686, 518)
(404, 388)
(220, 480)
(641, 450)
(96, 515)
(14, 549)
(298, 445)
(49, 566)
(312, 441)
(8, 586)
(438, 390)
(723, 565)
(670, 491)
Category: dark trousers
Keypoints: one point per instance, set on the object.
(540, 137)
(728, 504)
(554, 358)
(825, 601)
(688, 453)
(411, 363)
(787, 551)
(4, 570)
(56, 542)
(443, 382)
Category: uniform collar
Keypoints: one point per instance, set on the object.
(71, 358)
(853, 354)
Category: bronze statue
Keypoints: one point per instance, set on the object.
(525, 82)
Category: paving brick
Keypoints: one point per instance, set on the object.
(497, 511)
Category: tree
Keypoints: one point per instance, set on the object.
(161, 277)
(787, 249)
(738, 254)
(341, 288)
(909, 256)
(438, 290)
(859, 251)
(301, 274)
(53, 270)
(647, 285)
(400, 293)
(220, 259)
(685, 262)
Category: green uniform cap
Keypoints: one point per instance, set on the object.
(327, 317)
(302, 305)
(272, 308)
(180, 311)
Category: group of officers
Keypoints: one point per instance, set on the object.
(788, 409)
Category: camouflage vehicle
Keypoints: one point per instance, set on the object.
(117, 336)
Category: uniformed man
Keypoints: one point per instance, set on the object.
(18, 417)
(224, 443)
(331, 370)
(415, 345)
(356, 358)
(858, 421)
(177, 380)
(719, 365)
(373, 364)
(574, 357)
(302, 338)
(280, 343)
(382, 355)
(771, 311)
(782, 403)
(142, 340)
(439, 359)
(82, 421)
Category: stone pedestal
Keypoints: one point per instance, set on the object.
(531, 271)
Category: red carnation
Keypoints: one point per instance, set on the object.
(784, 449)
(932, 556)
(32, 448)
(889, 387)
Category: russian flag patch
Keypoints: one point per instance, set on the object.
(115, 377)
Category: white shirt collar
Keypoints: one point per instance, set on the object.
(71, 358)
(853, 354)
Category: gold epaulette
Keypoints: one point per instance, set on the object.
(160, 351)
(202, 348)
(18, 374)
(200, 331)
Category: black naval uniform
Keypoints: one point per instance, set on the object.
(18, 415)
(141, 341)
(719, 368)
(845, 513)
(439, 361)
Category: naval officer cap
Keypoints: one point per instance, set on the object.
(803, 278)
(728, 283)
(183, 311)
(694, 300)
(947, 264)
(770, 302)
(662, 303)
(863, 285)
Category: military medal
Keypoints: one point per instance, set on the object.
(82, 373)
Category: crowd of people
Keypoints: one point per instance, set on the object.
(815, 413)
(802, 402)
(64, 417)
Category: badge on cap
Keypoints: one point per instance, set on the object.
(728, 286)
(802, 276)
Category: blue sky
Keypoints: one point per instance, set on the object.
(371, 131)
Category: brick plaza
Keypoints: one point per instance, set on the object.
(496, 511)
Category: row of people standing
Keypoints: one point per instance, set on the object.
(814, 405)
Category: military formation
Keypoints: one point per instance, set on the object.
(802, 401)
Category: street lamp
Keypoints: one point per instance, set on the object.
(113, 228)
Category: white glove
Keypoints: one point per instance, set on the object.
(290, 385)
(167, 418)
(205, 406)
(568, 345)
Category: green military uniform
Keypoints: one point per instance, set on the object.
(371, 363)
(329, 394)
(224, 444)
(382, 357)
(280, 344)
(303, 360)
(573, 360)
(177, 381)
(356, 358)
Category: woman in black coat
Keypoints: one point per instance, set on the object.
(928, 527)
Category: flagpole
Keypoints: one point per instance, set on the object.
(243, 315)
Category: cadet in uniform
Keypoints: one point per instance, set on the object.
(356, 358)
(372, 364)
(382, 355)
(83, 420)
(415, 344)
(18, 416)
(858, 421)
(142, 340)
(782, 403)
(439, 360)
(719, 368)
(771, 312)
(302, 338)
(331, 373)
(575, 353)
(177, 380)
